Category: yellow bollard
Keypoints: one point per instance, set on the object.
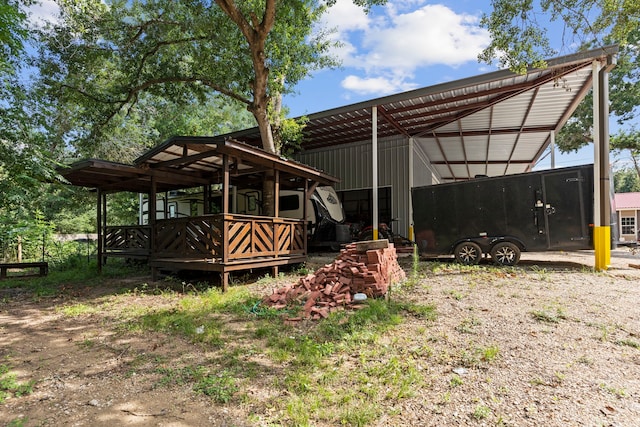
(602, 246)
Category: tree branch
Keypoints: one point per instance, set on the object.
(157, 47)
(132, 94)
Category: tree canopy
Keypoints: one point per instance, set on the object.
(104, 56)
(520, 38)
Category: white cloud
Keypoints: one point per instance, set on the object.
(375, 85)
(392, 43)
(433, 34)
(42, 12)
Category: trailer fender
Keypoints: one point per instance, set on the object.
(495, 240)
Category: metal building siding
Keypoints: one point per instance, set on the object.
(352, 164)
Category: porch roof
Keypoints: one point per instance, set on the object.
(184, 162)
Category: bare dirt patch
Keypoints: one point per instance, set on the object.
(548, 343)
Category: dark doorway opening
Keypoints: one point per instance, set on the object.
(358, 205)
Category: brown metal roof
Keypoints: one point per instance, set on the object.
(493, 124)
(184, 162)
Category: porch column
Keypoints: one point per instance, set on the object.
(206, 198)
(276, 214)
(305, 215)
(99, 227)
(152, 219)
(374, 168)
(104, 222)
(602, 187)
(276, 194)
(225, 222)
(225, 184)
(552, 146)
(410, 168)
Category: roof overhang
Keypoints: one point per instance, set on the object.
(493, 124)
(185, 162)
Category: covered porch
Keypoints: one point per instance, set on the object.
(220, 240)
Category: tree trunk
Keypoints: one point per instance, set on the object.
(636, 162)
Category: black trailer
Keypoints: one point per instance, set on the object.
(502, 216)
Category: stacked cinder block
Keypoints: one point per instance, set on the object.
(362, 267)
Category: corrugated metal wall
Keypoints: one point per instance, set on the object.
(352, 164)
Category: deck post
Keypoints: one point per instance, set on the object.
(225, 184)
(305, 215)
(206, 191)
(152, 223)
(225, 280)
(104, 223)
(100, 230)
(276, 211)
(225, 213)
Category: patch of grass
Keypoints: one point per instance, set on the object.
(220, 386)
(398, 377)
(423, 311)
(629, 343)
(481, 412)
(197, 326)
(489, 354)
(87, 344)
(456, 380)
(618, 392)
(358, 413)
(543, 274)
(457, 295)
(549, 314)
(467, 326)
(64, 278)
(10, 387)
(585, 360)
(18, 422)
(77, 310)
(478, 356)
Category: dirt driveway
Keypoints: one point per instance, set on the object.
(549, 343)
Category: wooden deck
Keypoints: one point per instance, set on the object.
(221, 243)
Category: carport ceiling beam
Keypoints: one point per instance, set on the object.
(444, 156)
(464, 149)
(546, 78)
(383, 112)
(509, 131)
(486, 156)
(524, 120)
(184, 161)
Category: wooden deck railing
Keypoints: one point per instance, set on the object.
(246, 237)
(131, 240)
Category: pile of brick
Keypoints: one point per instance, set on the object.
(363, 267)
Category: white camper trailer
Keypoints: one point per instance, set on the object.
(325, 214)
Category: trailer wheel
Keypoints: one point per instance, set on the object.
(468, 253)
(505, 253)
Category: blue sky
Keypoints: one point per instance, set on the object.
(403, 45)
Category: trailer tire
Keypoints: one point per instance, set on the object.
(468, 253)
(505, 253)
